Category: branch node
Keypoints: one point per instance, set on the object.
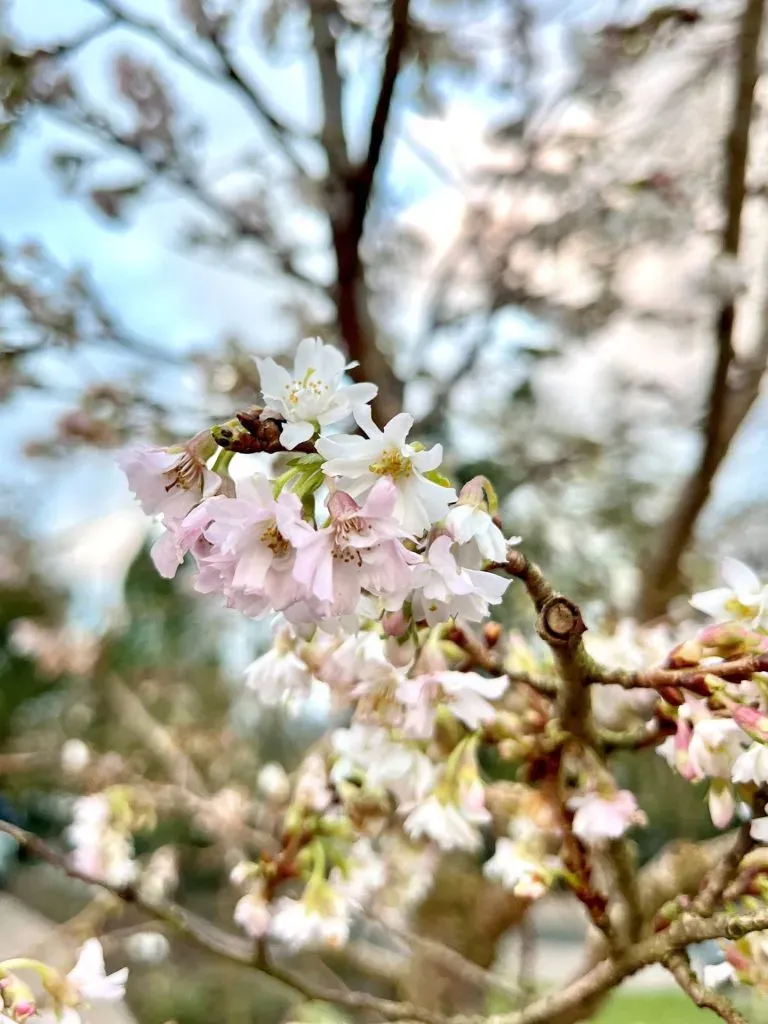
(560, 623)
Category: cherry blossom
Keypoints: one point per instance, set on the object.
(253, 914)
(363, 874)
(446, 824)
(466, 694)
(599, 817)
(356, 464)
(250, 560)
(714, 746)
(752, 765)
(742, 597)
(320, 918)
(313, 395)
(99, 850)
(517, 869)
(280, 674)
(442, 589)
(273, 783)
(473, 528)
(360, 548)
(171, 481)
(311, 790)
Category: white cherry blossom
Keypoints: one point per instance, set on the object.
(279, 675)
(742, 597)
(517, 869)
(314, 394)
(466, 694)
(357, 463)
(445, 824)
(442, 589)
(253, 914)
(752, 765)
(320, 918)
(88, 979)
(714, 746)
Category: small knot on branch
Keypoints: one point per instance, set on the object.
(560, 622)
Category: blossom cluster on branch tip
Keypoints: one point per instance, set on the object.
(380, 579)
(65, 994)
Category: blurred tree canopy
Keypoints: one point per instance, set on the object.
(536, 226)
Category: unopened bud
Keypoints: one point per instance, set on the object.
(395, 623)
(492, 632)
(753, 722)
(273, 783)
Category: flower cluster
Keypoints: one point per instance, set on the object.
(359, 525)
(380, 579)
(723, 738)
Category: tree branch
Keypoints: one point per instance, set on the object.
(215, 940)
(366, 172)
(280, 132)
(346, 213)
(185, 181)
(679, 966)
(662, 576)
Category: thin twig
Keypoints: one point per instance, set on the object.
(679, 966)
(226, 73)
(215, 940)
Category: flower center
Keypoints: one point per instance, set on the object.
(307, 392)
(186, 473)
(275, 541)
(392, 463)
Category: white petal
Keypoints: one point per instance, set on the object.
(294, 433)
(759, 830)
(739, 577)
(274, 379)
(90, 963)
(712, 602)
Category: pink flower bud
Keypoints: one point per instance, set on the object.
(752, 721)
(395, 623)
(23, 1009)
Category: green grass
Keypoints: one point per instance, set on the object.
(663, 1008)
(651, 1008)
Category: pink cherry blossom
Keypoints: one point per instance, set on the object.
(250, 559)
(359, 549)
(466, 694)
(599, 817)
(171, 482)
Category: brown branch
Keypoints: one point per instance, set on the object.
(662, 576)
(215, 940)
(561, 626)
(727, 868)
(227, 73)
(366, 172)
(694, 679)
(679, 966)
(346, 214)
(184, 180)
(687, 930)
